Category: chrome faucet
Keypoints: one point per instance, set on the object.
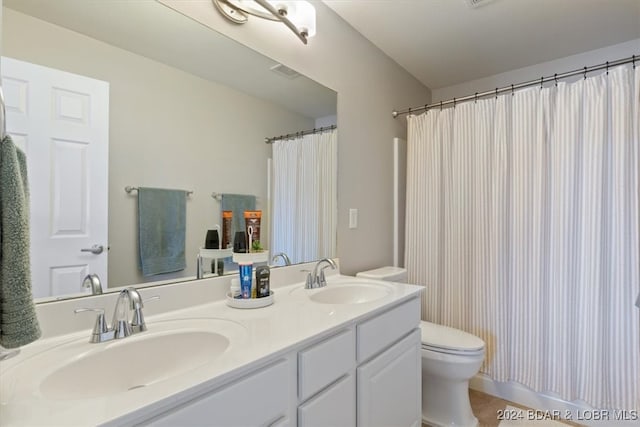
(128, 299)
(316, 278)
(284, 257)
(199, 270)
(92, 281)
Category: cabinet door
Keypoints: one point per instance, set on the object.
(259, 399)
(335, 406)
(389, 386)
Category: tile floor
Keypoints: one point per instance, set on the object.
(485, 408)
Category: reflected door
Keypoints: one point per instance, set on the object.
(61, 121)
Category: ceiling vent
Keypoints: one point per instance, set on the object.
(285, 71)
(477, 3)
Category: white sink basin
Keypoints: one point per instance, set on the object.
(80, 370)
(347, 292)
(127, 364)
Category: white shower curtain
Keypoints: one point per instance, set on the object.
(305, 196)
(523, 224)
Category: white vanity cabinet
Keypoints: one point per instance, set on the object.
(366, 374)
(263, 398)
(385, 388)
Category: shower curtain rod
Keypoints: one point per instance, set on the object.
(541, 81)
(297, 134)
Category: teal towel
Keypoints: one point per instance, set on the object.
(161, 230)
(238, 203)
(18, 322)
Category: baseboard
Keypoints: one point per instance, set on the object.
(553, 406)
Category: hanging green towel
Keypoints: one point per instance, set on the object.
(238, 203)
(18, 322)
(162, 230)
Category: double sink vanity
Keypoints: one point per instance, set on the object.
(344, 354)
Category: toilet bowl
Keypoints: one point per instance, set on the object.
(450, 358)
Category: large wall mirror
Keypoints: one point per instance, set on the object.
(186, 108)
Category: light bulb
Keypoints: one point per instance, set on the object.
(303, 16)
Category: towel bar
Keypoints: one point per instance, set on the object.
(129, 189)
(218, 196)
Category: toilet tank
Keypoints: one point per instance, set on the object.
(391, 274)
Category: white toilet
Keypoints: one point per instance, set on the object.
(450, 358)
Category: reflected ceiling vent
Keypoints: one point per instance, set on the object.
(285, 71)
(477, 3)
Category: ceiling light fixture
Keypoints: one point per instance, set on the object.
(299, 16)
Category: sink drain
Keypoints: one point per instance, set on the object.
(136, 386)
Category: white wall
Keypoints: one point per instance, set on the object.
(326, 121)
(168, 129)
(545, 69)
(370, 85)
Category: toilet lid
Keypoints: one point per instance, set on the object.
(446, 338)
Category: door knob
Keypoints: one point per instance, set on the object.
(95, 249)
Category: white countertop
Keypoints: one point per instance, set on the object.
(263, 334)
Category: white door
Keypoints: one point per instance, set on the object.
(61, 121)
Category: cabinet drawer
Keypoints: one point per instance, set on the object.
(325, 362)
(378, 333)
(262, 398)
(335, 406)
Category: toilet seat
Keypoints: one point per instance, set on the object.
(443, 339)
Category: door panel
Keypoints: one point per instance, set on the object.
(61, 121)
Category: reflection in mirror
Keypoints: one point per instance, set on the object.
(133, 105)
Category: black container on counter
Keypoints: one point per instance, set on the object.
(212, 240)
(263, 274)
(240, 242)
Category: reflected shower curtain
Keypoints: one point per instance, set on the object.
(523, 224)
(305, 210)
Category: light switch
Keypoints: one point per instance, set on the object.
(353, 218)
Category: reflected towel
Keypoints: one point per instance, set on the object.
(238, 203)
(161, 230)
(18, 322)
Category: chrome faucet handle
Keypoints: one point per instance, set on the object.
(137, 323)
(322, 280)
(199, 269)
(121, 329)
(100, 331)
(153, 298)
(310, 282)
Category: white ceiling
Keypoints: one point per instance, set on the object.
(446, 42)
